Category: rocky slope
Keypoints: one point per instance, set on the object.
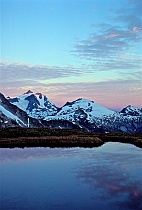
(12, 116)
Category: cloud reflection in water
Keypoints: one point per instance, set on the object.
(114, 177)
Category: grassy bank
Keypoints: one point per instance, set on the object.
(44, 137)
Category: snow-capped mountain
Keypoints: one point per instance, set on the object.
(35, 105)
(81, 113)
(81, 109)
(94, 117)
(131, 110)
(11, 115)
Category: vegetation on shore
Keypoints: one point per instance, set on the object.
(45, 137)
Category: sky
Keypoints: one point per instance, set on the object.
(73, 49)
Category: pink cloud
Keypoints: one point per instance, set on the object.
(111, 36)
(113, 187)
(136, 29)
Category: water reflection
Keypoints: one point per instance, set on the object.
(18, 154)
(108, 177)
(115, 178)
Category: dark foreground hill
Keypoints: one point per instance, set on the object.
(43, 137)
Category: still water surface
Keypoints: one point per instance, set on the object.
(107, 177)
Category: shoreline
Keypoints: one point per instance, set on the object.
(39, 137)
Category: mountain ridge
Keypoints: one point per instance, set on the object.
(81, 113)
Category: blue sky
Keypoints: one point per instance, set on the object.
(70, 49)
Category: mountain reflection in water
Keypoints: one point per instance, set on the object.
(107, 177)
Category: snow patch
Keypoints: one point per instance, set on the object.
(10, 115)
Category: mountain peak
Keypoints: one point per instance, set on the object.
(131, 110)
(129, 106)
(29, 91)
(35, 104)
(39, 95)
(83, 100)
